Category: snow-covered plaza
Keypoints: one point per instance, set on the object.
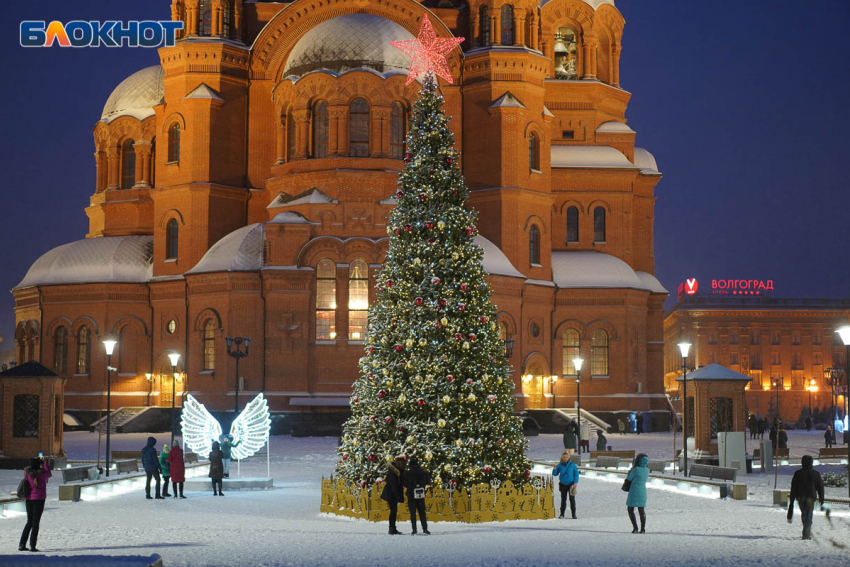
(283, 526)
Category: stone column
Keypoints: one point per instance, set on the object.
(379, 137)
(112, 157)
(342, 132)
(177, 16)
(218, 8)
(143, 164)
(302, 138)
(594, 51)
(586, 66)
(476, 26)
(615, 64)
(547, 46)
(191, 18)
(495, 28)
(102, 171)
(535, 31)
(236, 20)
(519, 27)
(280, 141)
(336, 116)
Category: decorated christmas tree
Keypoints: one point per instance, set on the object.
(434, 382)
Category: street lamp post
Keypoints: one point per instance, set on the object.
(175, 358)
(684, 347)
(237, 354)
(778, 383)
(109, 344)
(149, 378)
(577, 362)
(844, 333)
(833, 379)
(812, 387)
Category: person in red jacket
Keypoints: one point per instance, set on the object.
(178, 468)
(36, 474)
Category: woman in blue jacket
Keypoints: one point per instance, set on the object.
(637, 492)
(567, 473)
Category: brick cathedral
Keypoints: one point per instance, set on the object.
(243, 185)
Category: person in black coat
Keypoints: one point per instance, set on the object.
(828, 439)
(760, 425)
(416, 481)
(216, 468)
(150, 462)
(806, 487)
(639, 423)
(393, 493)
(782, 439)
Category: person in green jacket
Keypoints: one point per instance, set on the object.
(166, 470)
(637, 492)
(226, 447)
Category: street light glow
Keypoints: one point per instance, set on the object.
(684, 348)
(109, 344)
(174, 357)
(844, 333)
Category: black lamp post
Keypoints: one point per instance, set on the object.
(109, 344)
(175, 358)
(844, 333)
(684, 348)
(237, 354)
(577, 362)
(833, 378)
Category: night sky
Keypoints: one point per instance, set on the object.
(743, 104)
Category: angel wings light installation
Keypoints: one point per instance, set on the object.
(250, 429)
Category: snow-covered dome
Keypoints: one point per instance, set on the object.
(351, 41)
(136, 95)
(588, 269)
(240, 251)
(645, 161)
(494, 260)
(614, 127)
(119, 259)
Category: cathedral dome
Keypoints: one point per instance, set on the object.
(136, 95)
(351, 41)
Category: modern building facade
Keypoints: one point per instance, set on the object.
(243, 185)
(792, 341)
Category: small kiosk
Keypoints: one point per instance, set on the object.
(33, 405)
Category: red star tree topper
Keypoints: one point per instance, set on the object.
(427, 52)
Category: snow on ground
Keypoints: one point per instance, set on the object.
(283, 526)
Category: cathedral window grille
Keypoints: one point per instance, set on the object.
(397, 130)
(816, 338)
(25, 416)
(291, 148)
(572, 224)
(209, 344)
(572, 350)
(326, 300)
(128, 164)
(174, 143)
(84, 350)
(755, 360)
(320, 129)
(599, 224)
(774, 338)
(534, 245)
(358, 299)
(171, 239)
(60, 350)
(599, 353)
(205, 17)
(358, 128)
(484, 26)
(507, 24)
(533, 151)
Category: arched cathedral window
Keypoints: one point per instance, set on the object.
(320, 129)
(398, 118)
(128, 164)
(358, 128)
(484, 26)
(507, 25)
(325, 300)
(566, 54)
(174, 143)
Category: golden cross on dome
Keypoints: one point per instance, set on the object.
(427, 52)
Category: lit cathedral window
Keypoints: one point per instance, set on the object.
(326, 300)
(571, 351)
(358, 299)
(599, 353)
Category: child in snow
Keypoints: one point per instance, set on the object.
(166, 471)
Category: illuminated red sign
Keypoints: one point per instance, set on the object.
(741, 287)
(691, 286)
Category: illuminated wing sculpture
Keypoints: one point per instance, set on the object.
(199, 427)
(250, 429)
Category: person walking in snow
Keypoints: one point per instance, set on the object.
(828, 438)
(567, 473)
(227, 446)
(416, 481)
(36, 476)
(601, 441)
(393, 492)
(570, 442)
(751, 425)
(638, 476)
(639, 423)
(178, 469)
(782, 439)
(165, 467)
(150, 462)
(761, 424)
(806, 487)
(216, 469)
(621, 427)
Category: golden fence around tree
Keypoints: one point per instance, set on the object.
(497, 502)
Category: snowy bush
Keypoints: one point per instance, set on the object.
(836, 480)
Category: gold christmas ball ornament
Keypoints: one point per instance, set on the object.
(458, 442)
(441, 422)
(441, 225)
(465, 345)
(423, 342)
(429, 456)
(444, 321)
(471, 397)
(447, 467)
(411, 439)
(385, 372)
(375, 364)
(447, 400)
(408, 343)
(402, 399)
(455, 255)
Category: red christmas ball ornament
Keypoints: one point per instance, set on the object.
(463, 287)
(372, 457)
(407, 157)
(399, 348)
(507, 471)
(345, 457)
(355, 400)
(399, 193)
(435, 281)
(483, 319)
(402, 428)
(450, 378)
(373, 418)
(486, 470)
(527, 474)
(442, 303)
(382, 394)
(455, 191)
(371, 350)
(449, 160)
(500, 440)
(437, 324)
(407, 228)
(420, 402)
(462, 307)
(419, 301)
(390, 283)
(432, 240)
(429, 224)
(471, 336)
(397, 230)
(470, 231)
(388, 419)
(469, 381)
(423, 197)
(362, 484)
(458, 336)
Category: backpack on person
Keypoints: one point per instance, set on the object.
(24, 488)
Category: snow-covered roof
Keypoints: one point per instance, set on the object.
(312, 197)
(588, 269)
(547, 112)
(592, 3)
(121, 259)
(645, 161)
(590, 157)
(136, 95)
(715, 372)
(508, 100)
(349, 42)
(289, 217)
(494, 260)
(240, 251)
(204, 91)
(614, 127)
(651, 282)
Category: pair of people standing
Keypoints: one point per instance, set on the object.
(36, 476)
(415, 480)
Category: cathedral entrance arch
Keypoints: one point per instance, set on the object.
(536, 386)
